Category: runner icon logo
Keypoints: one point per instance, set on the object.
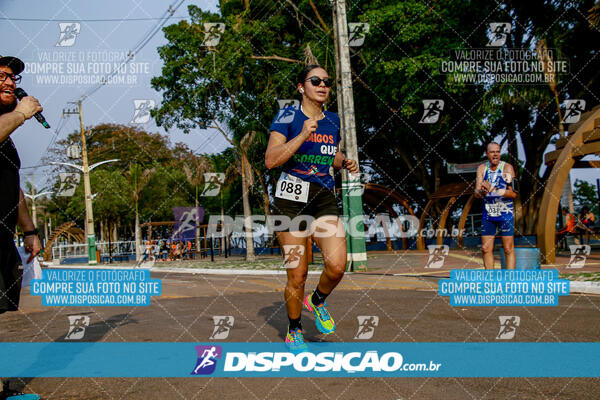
(284, 103)
(498, 33)
(186, 221)
(207, 359)
(366, 326)
(357, 31)
(223, 324)
(68, 183)
(213, 32)
(573, 110)
(437, 255)
(579, 254)
(68, 33)
(212, 183)
(285, 115)
(292, 253)
(432, 109)
(356, 184)
(141, 112)
(77, 325)
(508, 327)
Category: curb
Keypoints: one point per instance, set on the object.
(207, 271)
(584, 287)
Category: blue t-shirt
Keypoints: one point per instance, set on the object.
(314, 157)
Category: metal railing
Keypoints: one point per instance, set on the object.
(61, 251)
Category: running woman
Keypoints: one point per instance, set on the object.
(305, 142)
(496, 185)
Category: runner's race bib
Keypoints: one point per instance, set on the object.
(494, 209)
(292, 188)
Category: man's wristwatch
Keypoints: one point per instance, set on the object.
(29, 233)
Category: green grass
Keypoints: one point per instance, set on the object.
(582, 277)
(268, 264)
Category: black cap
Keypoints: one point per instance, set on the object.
(14, 63)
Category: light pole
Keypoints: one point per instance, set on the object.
(33, 196)
(357, 254)
(89, 213)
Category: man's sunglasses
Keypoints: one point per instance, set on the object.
(316, 81)
(15, 78)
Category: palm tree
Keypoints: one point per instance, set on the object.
(138, 178)
(594, 15)
(195, 177)
(247, 183)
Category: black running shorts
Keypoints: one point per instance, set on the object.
(321, 202)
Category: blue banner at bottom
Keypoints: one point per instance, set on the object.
(350, 359)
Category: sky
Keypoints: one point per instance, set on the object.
(107, 31)
(98, 46)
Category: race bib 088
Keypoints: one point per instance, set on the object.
(292, 188)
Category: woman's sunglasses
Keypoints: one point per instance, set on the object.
(316, 81)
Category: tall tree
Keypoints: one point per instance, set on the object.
(232, 86)
(138, 178)
(194, 172)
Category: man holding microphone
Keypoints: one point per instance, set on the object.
(13, 208)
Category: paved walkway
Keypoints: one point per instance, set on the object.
(397, 288)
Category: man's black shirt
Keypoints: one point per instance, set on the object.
(9, 188)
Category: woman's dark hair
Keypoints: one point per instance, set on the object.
(305, 71)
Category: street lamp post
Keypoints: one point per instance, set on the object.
(89, 214)
(352, 203)
(33, 196)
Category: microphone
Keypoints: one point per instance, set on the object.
(20, 93)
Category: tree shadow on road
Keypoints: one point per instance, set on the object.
(93, 334)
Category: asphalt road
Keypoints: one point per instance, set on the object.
(408, 308)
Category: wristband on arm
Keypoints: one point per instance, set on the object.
(29, 233)
(514, 185)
